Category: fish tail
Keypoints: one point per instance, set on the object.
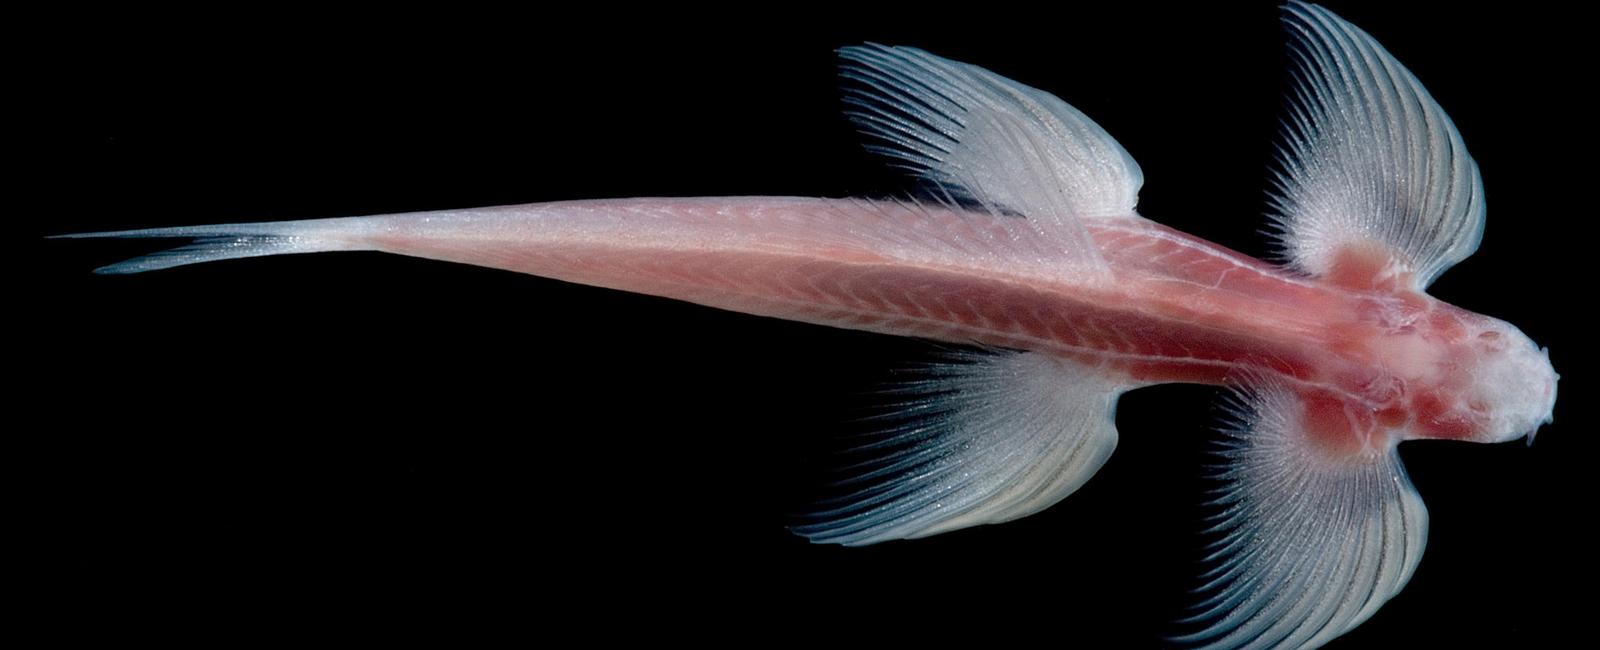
(232, 241)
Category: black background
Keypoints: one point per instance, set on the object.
(355, 444)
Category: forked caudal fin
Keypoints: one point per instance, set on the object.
(233, 241)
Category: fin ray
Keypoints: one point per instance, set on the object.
(1001, 435)
(1310, 543)
(232, 241)
(981, 138)
(1369, 159)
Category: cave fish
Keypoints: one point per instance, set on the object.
(1026, 247)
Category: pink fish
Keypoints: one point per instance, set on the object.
(1027, 246)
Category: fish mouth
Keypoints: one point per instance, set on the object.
(1550, 395)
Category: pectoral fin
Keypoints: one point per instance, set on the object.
(1312, 538)
(1376, 187)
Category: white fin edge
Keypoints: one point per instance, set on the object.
(1369, 158)
(985, 438)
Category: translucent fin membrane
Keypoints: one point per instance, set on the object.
(1369, 158)
(984, 438)
(1307, 545)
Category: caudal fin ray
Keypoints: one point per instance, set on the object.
(230, 241)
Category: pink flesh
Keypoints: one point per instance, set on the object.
(1174, 308)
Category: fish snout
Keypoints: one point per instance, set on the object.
(1551, 379)
(1521, 384)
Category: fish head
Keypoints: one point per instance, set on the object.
(1513, 379)
(1485, 381)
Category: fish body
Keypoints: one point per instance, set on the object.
(1175, 308)
(1029, 248)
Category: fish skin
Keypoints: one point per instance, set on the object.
(1492, 234)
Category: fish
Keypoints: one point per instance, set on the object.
(1028, 245)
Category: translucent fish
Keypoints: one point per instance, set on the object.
(1027, 246)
